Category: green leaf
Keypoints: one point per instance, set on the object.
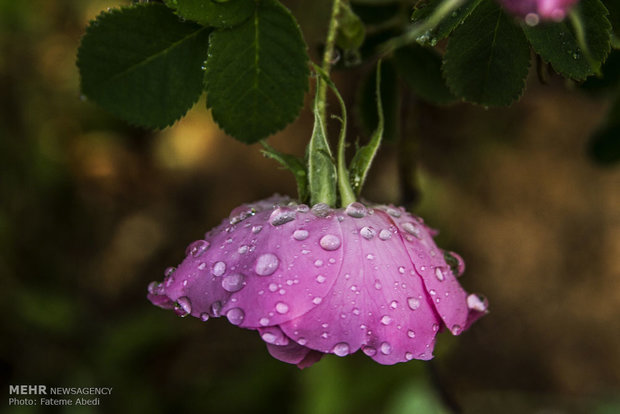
(294, 165)
(351, 30)
(421, 68)
(321, 166)
(487, 58)
(366, 105)
(143, 64)
(558, 43)
(447, 24)
(604, 146)
(257, 73)
(360, 164)
(213, 13)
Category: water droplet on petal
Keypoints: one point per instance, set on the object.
(282, 215)
(401, 270)
(204, 316)
(408, 356)
(169, 271)
(393, 304)
(219, 268)
(243, 249)
(413, 303)
(356, 311)
(341, 349)
(477, 303)
(456, 329)
(318, 263)
(369, 350)
(216, 307)
(183, 307)
(385, 348)
(266, 264)
(439, 274)
(377, 284)
(385, 234)
(234, 282)
(300, 235)
(330, 242)
(317, 300)
(256, 229)
(263, 321)
(303, 208)
(281, 308)
(413, 229)
(410, 334)
(302, 341)
(320, 278)
(367, 232)
(269, 337)
(235, 316)
(393, 212)
(356, 210)
(435, 327)
(386, 320)
(197, 248)
(154, 288)
(320, 210)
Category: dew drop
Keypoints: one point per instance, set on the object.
(370, 256)
(320, 210)
(385, 234)
(269, 337)
(320, 278)
(219, 268)
(169, 271)
(273, 287)
(408, 356)
(256, 229)
(318, 263)
(266, 264)
(202, 266)
(356, 210)
(341, 349)
(369, 350)
(329, 242)
(302, 341)
(386, 320)
(282, 215)
(432, 292)
(367, 232)
(303, 208)
(377, 284)
(386, 348)
(197, 248)
(413, 303)
(243, 249)
(317, 300)
(477, 303)
(216, 307)
(233, 283)
(183, 307)
(412, 229)
(393, 212)
(393, 304)
(263, 321)
(235, 316)
(411, 334)
(204, 316)
(435, 327)
(439, 274)
(401, 270)
(300, 235)
(281, 308)
(456, 329)
(154, 288)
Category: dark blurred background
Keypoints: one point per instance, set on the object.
(92, 210)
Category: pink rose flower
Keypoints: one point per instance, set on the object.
(319, 280)
(535, 9)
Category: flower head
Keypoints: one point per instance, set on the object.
(533, 10)
(318, 280)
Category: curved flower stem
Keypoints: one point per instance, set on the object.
(328, 56)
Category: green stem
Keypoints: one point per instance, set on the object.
(328, 56)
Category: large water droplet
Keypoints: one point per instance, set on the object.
(235, 316)
(341, 349)
(369, 350)
(413, 303)
(356, 210)
(477, 303)
(234, 282)
(413, 229)
(386, 348)
(197, 248)
(216, 308)
(320, 210)
(281, 308)
(385, 234)
(266, 264)
(219, 268)
(282, 215)
(330, 242)
(377, 284)
(386, 320)
(183, 307)
(300, 235)
(367, 232)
